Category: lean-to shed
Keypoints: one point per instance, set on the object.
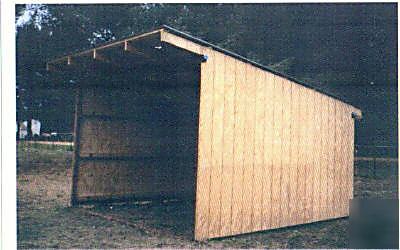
(167, 115)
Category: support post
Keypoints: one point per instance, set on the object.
(76, 156)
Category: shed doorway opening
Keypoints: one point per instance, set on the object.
(139, 141)
(136, 120)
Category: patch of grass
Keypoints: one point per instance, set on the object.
(45, 219)
(24, 145)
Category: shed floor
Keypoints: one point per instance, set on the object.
(46, 221)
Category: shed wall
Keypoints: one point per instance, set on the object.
(271, 153)
(137, 140)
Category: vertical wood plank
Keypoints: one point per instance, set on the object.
(302, 157)
(204, 163)
(268, 149)
(335, 164)
(249, 149)
(309, 168)
(228, 143)
(332, 162)
(351, 155)
(325, 156)
(240, 115)
(348, 158)
(285, 154)
(217, 146)
(294, 161)
(343, 165)
(317, 148)
(277, 152)
(259, 151)
(338, 160)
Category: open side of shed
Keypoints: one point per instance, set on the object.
(167, 115)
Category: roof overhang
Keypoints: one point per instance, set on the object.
(135, 53)
(163, 50)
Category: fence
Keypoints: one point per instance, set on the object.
(53, 137)
(376, 161)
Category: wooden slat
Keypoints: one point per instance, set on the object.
(338, 160)
(204, 163)
(309, 168)
(339, 155)
(268, 149)
(348, 166)
(324, 157)
(331, 162)
(217, 146)
(301, 186)
(249, 149)
(228, 146)
(351, 155)
(286, 154)
(343, 160)
(317, 155)
(181, 42)
(276, 155)
(294, 155)
(258, 152)
(240, 115)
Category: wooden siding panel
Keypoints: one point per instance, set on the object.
(259, 152)
(341, 155)
(276, 155)
(339, 160)
(145, 178)
(309, 163)
(228, 144)
(204, 164)
(343, 167)
(294, 155)
(350, 126)
(301, 187)
(286, 154)
(217, 147)
(268, 149)
(317, 164)
(249, 149)
(240, 116)
(348, 167)
(182, 43)
(325, 157)
(332, 159)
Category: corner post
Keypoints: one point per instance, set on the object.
(76, 155)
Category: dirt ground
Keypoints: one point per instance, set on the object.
(45, 219)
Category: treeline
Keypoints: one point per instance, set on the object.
(347, 49)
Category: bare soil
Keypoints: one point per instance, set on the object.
(45, 219)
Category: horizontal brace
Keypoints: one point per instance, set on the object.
(130, 158)
(131, 198)
(107, 117)
(135, 119)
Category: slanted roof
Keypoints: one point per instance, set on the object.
(144, 46)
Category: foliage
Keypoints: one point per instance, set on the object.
(338, 47)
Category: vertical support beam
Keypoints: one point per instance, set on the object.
(76, 156)
(95, 54)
